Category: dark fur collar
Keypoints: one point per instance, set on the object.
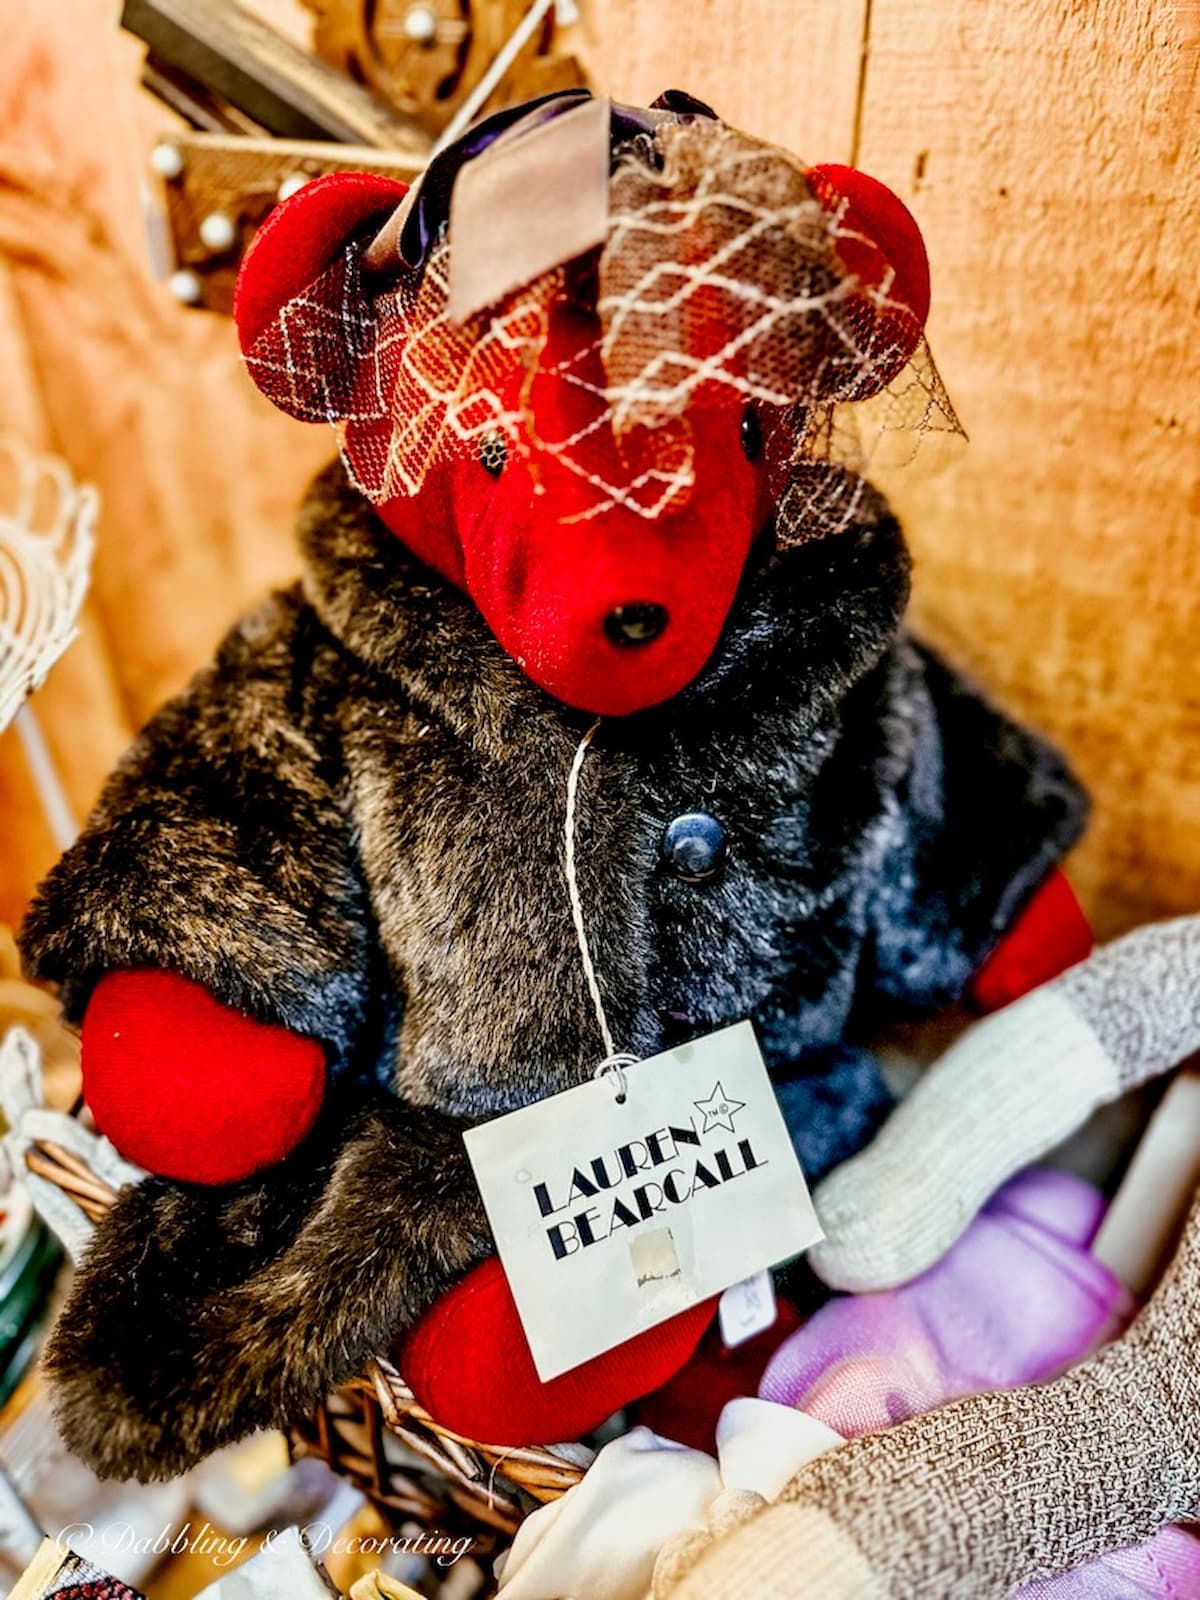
(820, 614)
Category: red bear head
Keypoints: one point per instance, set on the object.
(591, 452)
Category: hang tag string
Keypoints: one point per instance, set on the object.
(615, 1061)
(589, 968)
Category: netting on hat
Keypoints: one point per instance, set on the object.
(720, 284)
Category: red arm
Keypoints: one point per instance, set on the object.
(190, 1089)
(194, 1091)
(1050, 935)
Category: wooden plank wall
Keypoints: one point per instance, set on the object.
(1052, 153)
(1048, 148)
(197, 473)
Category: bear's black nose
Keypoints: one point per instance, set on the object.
(637, 623)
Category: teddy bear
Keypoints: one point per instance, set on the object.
(594, 381)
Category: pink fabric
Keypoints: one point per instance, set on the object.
(1017, 1300)
(1167, 1567)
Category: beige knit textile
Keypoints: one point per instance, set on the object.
(1010, 1089)
(986, 1494)
(766, 1559)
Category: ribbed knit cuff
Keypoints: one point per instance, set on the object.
(1007, 1090)
(784, 1552)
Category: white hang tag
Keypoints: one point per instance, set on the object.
(747, 1308)
(612, 1214)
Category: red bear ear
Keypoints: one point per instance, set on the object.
(881, 232)
(300, 238)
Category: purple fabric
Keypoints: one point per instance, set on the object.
(1167, 1567)
(1017, 1300)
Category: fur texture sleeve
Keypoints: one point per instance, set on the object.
(219, 849)
(985, 810)
(201, 1314)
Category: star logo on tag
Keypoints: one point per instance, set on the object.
(718, 1110)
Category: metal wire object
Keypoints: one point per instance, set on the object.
(47, 540)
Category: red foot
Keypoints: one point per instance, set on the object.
(687, 1407)
(1050, 935)
(468, 1363)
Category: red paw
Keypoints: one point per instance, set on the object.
(468, 1363)
(1050, 935)
(687, 1407)
(190, 1089)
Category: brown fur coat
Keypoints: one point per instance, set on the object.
(352, 824)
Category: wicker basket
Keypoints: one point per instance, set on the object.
(374, 1433)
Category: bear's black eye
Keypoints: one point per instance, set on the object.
(751, 434)
(493, 453)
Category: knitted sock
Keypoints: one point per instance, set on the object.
(1011, 1088)
(996, 1490)
(787, 1552)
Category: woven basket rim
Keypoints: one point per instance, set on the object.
(483, 1479)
